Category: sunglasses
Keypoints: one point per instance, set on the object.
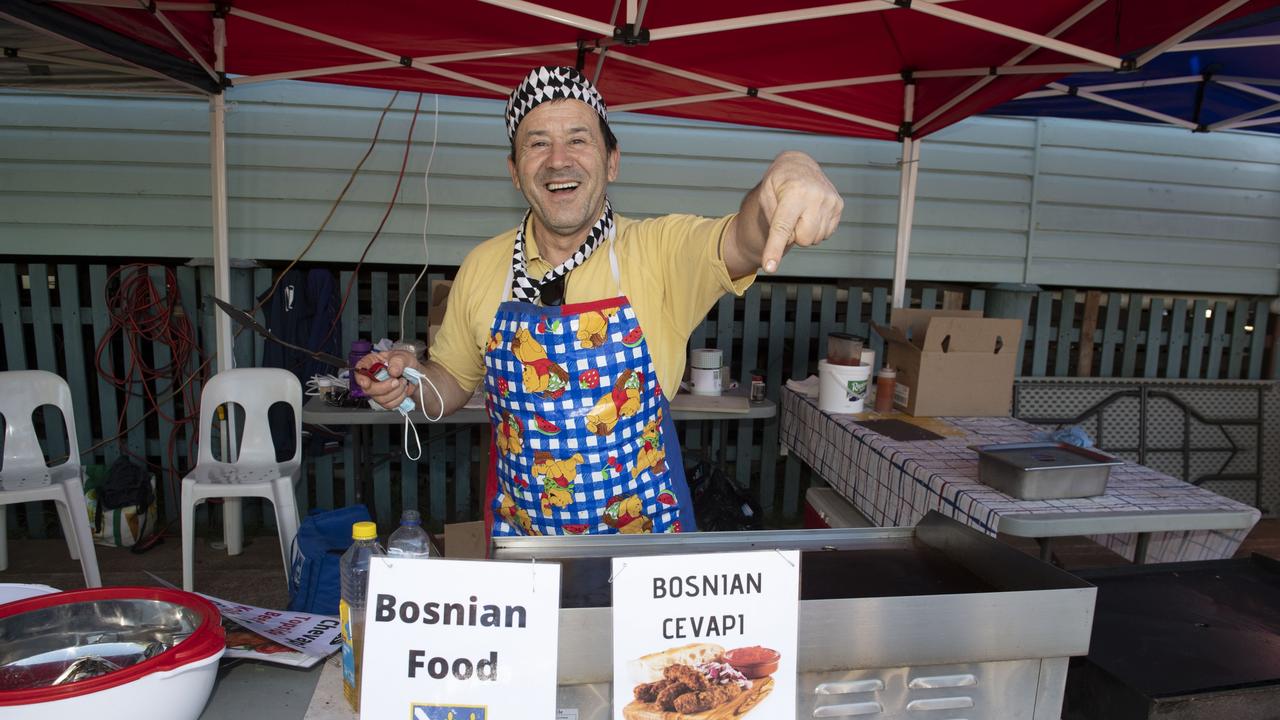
(552, 291)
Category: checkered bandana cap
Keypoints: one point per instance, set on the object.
(551, 83)
(527, 290)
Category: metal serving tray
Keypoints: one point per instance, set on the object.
(1044, 471)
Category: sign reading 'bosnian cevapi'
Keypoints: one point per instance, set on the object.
(713, 633)
(475, 639)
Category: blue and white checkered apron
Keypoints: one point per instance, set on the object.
(583, 436)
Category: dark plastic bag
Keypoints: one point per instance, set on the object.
(719, 504)
(127, 485)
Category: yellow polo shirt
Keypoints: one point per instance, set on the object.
(671, 267)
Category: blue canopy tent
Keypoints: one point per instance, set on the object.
(1226, 77)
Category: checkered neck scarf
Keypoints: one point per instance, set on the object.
(527, 290)
(551, 83)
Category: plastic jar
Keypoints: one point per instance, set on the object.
(886, 382)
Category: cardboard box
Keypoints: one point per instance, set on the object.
(465, 541)
(952, 362)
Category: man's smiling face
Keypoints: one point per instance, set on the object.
(562, 167)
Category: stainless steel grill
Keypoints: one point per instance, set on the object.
(935, 621)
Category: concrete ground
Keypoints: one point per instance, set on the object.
(255, 577)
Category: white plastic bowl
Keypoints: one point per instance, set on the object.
(41, 636)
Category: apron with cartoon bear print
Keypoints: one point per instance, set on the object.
(584, 441)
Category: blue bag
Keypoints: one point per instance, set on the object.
(315, 584)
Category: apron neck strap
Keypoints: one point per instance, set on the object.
(529, 289)
(610, 238)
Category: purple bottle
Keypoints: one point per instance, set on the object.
(359, 348)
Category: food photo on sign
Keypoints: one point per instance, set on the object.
(715, 639)
(701, 680)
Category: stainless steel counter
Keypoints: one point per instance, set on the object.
(894, 622)
(936, 621)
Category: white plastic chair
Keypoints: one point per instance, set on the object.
(24, 477)
(255, 471)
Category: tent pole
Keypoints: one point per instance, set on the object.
(1195, 27)
(554, 15)
(1235, 121)
(221, 254)
(1135, 109)
(906, 213)
(1225, 43)
(1253, 123)
(232, 527)
(1043, 41)
(417, 61)
(773, 18)
(1014, 61)
(1245, 87)
(218, 187)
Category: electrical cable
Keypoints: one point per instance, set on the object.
(199, 371)
(391, 204)
(377, 132)
(140, 313)
(426, 215)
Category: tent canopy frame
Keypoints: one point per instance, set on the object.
(621, 36)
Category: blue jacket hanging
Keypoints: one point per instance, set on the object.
(301, 311)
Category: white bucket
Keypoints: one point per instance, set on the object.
(842, 388)
(705, 381)
(705, 376)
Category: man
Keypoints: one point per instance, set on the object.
(577, 320)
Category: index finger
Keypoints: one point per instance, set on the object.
(782, 228)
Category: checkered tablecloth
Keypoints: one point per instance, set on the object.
(896, 483)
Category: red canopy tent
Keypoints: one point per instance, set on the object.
(890, 69)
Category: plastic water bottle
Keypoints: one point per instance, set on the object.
(409, 540)
(354, 570)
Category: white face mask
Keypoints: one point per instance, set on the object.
(407, 406)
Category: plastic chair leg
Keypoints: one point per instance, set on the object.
(4, 538)
(68, 532)
(79, 527)
(188, 535)
(286, 519)
(233, 525)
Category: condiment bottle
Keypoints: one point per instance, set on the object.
(353, 569)
(886, 381)
(757, 386)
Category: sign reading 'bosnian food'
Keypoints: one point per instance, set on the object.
(705, 636)
(463, 637)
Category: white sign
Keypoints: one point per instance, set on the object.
(703, 633)
(460, 640)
